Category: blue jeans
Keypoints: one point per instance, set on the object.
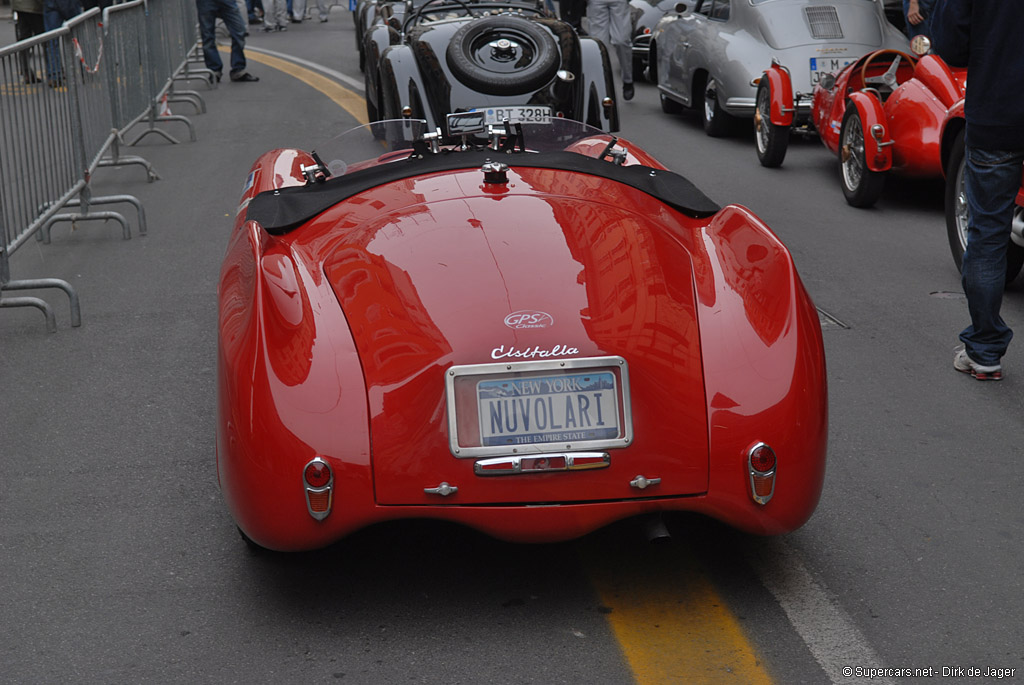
(992, 179)
(55, 13)
(209, 11)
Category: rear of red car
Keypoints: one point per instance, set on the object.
(535, 360)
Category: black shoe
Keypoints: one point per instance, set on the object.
(216, 76)
(281, 28)
(254, 21)
(268, 28)
(627, 91)
(244, 76)
(34, 78)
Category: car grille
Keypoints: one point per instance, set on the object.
(824, 22)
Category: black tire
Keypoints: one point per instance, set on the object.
(476, 63)
(716, 120)
(956, 202)
(957, 214)
(771, 140)
(861, 186)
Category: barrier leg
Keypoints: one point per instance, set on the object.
(38, 284)
(111, 199)
(91, 216)
(51, 320)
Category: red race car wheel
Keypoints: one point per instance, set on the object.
(861, 186)
(772, 140)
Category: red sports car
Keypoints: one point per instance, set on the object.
(533, 331)
(888, 111)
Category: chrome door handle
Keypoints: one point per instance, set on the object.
(443, 489)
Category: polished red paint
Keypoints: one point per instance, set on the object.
(918, 117)
(334, 341)
(781, 89)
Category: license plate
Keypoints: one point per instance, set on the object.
(828, 65)
(548, 409)
(516, 114)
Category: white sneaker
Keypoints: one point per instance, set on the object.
(964, 364)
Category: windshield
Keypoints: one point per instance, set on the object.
(397, 139)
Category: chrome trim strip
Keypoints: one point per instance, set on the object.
(514, 465)
(469, 452)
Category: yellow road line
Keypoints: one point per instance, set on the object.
(672, 625)
(353, 103)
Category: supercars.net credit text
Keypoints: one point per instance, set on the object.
(930, 672)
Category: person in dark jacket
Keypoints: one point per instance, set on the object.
(984, 36)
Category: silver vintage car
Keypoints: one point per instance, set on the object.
(709, 54)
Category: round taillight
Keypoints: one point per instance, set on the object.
(317, 474)
(762, 458)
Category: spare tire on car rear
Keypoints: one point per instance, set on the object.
(503, 55)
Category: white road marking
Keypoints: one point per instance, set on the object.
(337, 75)
(826, 629)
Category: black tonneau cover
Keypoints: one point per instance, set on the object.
(280, 211)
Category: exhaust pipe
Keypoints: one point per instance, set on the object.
(655, 530)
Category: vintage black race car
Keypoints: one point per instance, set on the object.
(507, 61)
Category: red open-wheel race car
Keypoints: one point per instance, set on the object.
(532, 330)
(889, 111)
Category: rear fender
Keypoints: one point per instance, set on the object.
(379, 39)
(764, 371)
(601, 88)
(781, 89)
(937, 77)
(400, 86)
(877, 141)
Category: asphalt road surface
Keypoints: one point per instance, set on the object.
(120, 564)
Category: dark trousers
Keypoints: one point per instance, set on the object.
(29, 24)
(572, 12)
(992, 179)
(209, 11)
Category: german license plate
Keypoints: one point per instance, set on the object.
(516, 114)
(544, 409)
(828, 65)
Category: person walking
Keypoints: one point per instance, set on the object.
(609, 21)
(227, 11)
(982, 35)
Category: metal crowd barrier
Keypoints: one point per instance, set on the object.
(67, 98)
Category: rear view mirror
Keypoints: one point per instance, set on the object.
(680, 8)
